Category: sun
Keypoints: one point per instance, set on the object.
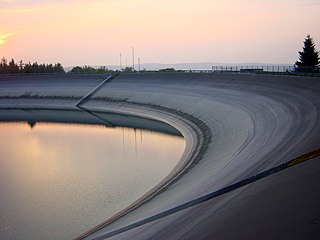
(3, 38)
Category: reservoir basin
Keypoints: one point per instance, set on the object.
(59, 178)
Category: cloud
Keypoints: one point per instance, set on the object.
(3, 38)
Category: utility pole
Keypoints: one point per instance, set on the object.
(139, 63)
(120, 62)
(132, 58)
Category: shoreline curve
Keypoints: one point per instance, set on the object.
(195, 132)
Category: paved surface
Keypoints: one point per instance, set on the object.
(249, 123)
(282, 206)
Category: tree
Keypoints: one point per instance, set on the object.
(88, 69)
(4, 65)
(76, 69)
(309, 57)
(28, 68)
(58, 68)
(128, 69)
(13, 67)
(167, 70)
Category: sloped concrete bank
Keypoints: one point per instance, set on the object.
(252, 123)
(257, 122)
(196, 133)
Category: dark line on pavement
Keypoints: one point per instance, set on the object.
(101, 119)
(87, 97)
(259, 176)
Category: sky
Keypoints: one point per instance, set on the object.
(95, 32)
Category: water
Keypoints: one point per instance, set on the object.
(59, 180)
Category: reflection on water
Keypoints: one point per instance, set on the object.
(57, 181)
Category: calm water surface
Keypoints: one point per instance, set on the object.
(57, 181)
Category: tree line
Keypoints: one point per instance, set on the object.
(88, 69)
(12, 67)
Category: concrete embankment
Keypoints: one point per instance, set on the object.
(255, 122)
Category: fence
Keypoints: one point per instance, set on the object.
(255, 69)
(267, 69)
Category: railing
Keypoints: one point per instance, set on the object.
(255, 69)
(261, 69)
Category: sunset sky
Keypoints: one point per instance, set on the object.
(95, 32)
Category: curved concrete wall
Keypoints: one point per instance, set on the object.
(255, 122)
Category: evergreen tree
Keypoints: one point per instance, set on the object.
(28, 68)
(76, 69)
(309, 57)
(13, 67)
(58, 68)
(4, 65)
(21, 64)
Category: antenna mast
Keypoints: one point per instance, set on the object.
(132, 58)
